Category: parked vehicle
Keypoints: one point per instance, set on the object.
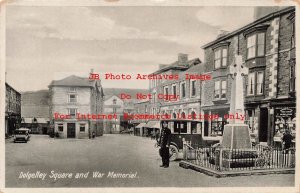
(185, 130)
(22, 134)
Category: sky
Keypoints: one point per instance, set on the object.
(45, 43)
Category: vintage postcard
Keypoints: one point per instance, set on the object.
(158, 95)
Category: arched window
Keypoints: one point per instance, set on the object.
(193, 115)
(174, 115)
(183, 115)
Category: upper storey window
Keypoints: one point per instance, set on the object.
(220, 59)
(255, 45)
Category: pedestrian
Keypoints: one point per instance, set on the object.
(287, 140)
(164, 142)
(93, 134)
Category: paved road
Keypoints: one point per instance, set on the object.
(133, 155)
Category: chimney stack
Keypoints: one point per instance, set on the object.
(182, 58)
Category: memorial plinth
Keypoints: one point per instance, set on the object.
(236, 145)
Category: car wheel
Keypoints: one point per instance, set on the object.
(173, 151)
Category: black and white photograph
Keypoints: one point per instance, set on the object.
(150, 94)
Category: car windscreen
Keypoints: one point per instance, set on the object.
(20, 132)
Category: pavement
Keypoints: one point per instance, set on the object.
(118, 160)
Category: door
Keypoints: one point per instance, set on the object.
(263, 126)
(71, 133)
(205, 128)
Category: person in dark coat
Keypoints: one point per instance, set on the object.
(164, 142)
(287, 140)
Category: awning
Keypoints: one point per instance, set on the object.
(38, 120)
(42, 120)
(153, 124)
(140, 125)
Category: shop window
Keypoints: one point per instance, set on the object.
(193, 88)
(220, 59)
(256, 45)
(82, 127)
(60, 127)
(217, 127)
(292, 77)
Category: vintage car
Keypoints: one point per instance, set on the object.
(22, 134)
(185, 130)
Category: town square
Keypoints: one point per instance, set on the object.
(181, 99)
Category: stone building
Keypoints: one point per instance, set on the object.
(186, 92)
(12, 110)
(35, 111)
(140, 107)
(115, 104)
(73, 95)
(267, 46)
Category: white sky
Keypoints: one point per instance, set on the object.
(46, 43)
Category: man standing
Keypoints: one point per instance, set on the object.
(287, 140)
(164, 142)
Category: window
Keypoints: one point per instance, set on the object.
(115, 101)
(292, 77)
(220, 89)
(255, 84)
(82, 127)
(223, 89)
(146, 109)
(250, 87)
(72, 89)
(182, 90)
(193, 87)
(220, 57)
(166, 91)
(60, 127)
(256, 45)
(72, 98)
(154, 97)
(217, 89)
(174, 89)
(293, 35)
(259, 83)
(72, 112)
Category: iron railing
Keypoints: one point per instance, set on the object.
(257, 158)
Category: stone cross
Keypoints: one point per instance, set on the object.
(237, 88)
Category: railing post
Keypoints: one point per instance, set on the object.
(184, 150)
(221, 159)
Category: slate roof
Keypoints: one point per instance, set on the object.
(109, 92)
(73, 81)
(35, 104)
(179, 66)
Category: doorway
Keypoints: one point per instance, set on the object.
(263, 128)
(71, 130)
